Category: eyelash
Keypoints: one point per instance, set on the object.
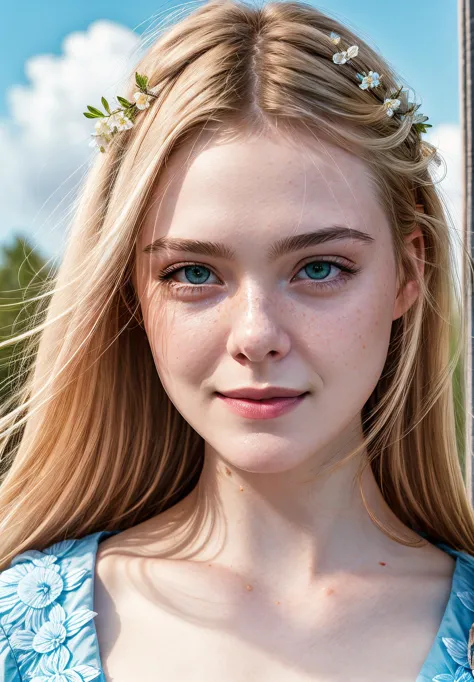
(164, 276)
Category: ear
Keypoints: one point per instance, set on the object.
(410, 291)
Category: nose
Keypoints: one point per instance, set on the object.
(257, 326)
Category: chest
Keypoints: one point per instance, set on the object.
(190, 631)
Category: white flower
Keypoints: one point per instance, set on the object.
(345, 55)
(100, 141)
(102, 127)
(142, 100)
(106, 128)
(102, 136)
(391, 105)
(370, 81)
(419, 118)
(119, 121)
(335, 37)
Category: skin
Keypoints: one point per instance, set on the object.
(287, 566)
(271, 323)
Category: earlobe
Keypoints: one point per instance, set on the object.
(408, 294)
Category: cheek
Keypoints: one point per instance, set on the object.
(350, 348)
(185, 347)
(358, 340)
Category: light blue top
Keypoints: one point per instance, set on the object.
(47, 631)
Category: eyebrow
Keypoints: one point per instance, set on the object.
(279, 248)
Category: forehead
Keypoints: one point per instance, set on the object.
(255, 180)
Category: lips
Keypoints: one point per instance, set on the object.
(257, 394)
(264, 408)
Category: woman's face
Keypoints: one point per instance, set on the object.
(245, 304)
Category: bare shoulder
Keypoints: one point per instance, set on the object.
(431, 561)
(157, 538)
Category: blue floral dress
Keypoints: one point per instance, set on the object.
(47, 631)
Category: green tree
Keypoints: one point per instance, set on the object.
(23, 274)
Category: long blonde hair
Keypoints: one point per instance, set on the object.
(90, 440)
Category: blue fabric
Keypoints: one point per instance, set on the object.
(47, 631)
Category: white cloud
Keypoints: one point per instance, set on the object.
(44, 142)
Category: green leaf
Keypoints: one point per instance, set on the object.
(124, 102)
(88, 115)
(141, 81)
(95, 111)
(105, 104)
(421, 127)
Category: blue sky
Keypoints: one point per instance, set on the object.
(62, 55)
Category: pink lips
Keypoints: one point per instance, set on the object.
(269, 408)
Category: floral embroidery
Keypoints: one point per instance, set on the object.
(58, 670)
(50, 638)
(467, 598)
(460, 676)
(460, 651)
(30, 586)
(36, 624)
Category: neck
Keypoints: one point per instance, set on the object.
(289, 528)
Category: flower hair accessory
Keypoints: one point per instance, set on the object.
(122, 118)
(396, 102)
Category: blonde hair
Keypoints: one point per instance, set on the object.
(90, 440)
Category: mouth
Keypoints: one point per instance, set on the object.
(264, 408)
(263, 401)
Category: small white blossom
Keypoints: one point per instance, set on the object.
(345, 55)
(391, 105)
(142, 100)
(102, 127)
(419, 118)
(335, 37)
(370, 81)
(100, 141)
(119, 121)
(103, 135)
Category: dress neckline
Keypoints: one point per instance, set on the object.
(432, 653)
(442, 629)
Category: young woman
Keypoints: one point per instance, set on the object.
(235, 455)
